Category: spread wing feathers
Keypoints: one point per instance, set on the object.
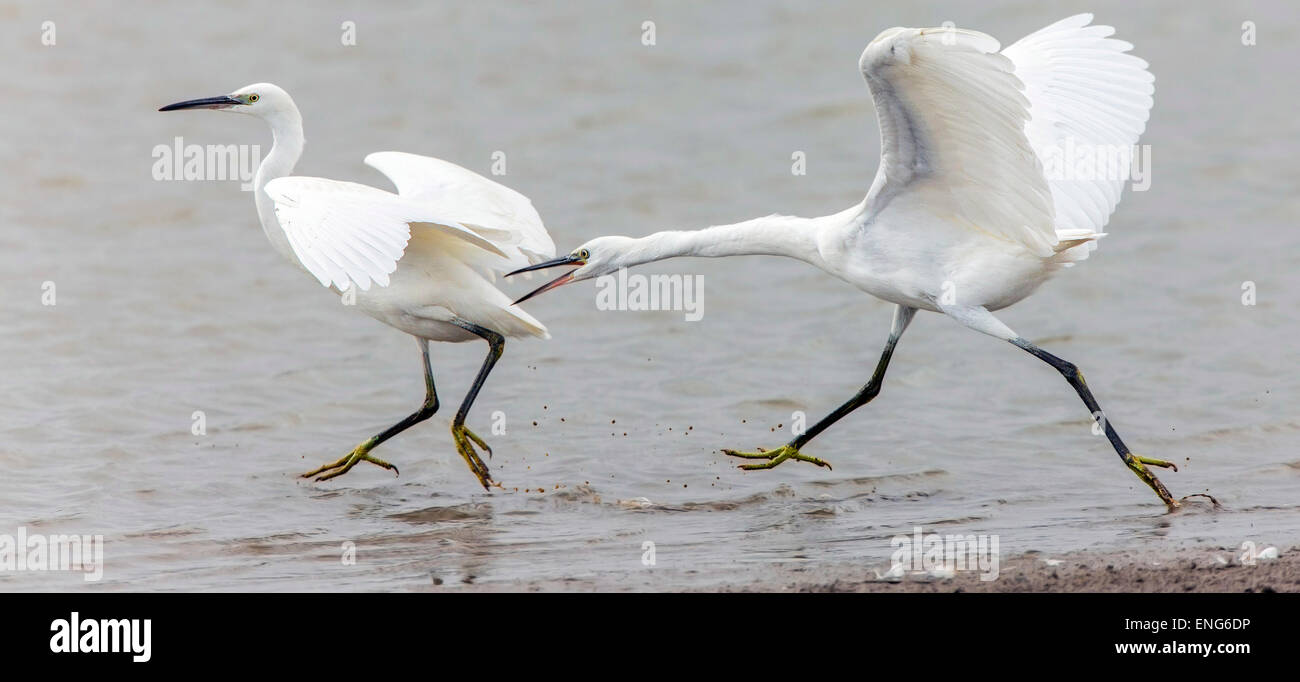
(1089, 102)
(952, 124)
(342, 231)
(495, 212)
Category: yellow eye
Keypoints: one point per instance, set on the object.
(253, 98)
(584, 254)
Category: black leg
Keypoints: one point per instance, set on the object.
(426, 410)
(460, 433)
(362, 452)
(862, 397)
(902, 318)
(1134, 462)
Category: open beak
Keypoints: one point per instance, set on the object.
(221, 102)
(558, 281)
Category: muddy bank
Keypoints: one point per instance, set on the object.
(1190, 570)
(1205, 570)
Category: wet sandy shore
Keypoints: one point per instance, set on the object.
(1207, 569)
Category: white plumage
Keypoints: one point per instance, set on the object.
(952, 121)
(964, 216)
(418, 260)
(344, 232)
(496, 212)
(1083, 87)
(979, 126)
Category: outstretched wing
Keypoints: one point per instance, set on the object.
(952, 126)
(496, 212)
(342, 231)
(1087, 95)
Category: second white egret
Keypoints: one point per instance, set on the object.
(414, 260)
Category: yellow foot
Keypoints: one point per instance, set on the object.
(345, 464)
(775, 457)
(1138, 464)
(465, 440)
(1156, 462)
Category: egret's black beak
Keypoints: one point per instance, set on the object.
(558, 281)
(221, 102)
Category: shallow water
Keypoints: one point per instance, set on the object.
(169, 301)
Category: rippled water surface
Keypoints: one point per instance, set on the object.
(169, 301)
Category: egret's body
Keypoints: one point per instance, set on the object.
(963, 218)
(414, 260)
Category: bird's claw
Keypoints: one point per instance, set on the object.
(1137, 464)
(1156, 462)
(775, 457)
(465, 440)
(344, 464)
(478, 441)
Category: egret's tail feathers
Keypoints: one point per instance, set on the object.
(1073, 246)
(525, 324)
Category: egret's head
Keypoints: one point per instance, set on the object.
(600, 256)
(263, 100)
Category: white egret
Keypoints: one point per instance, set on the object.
(422, 249)
(964, 217)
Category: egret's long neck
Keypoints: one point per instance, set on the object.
(286, 148)
(774, 235)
